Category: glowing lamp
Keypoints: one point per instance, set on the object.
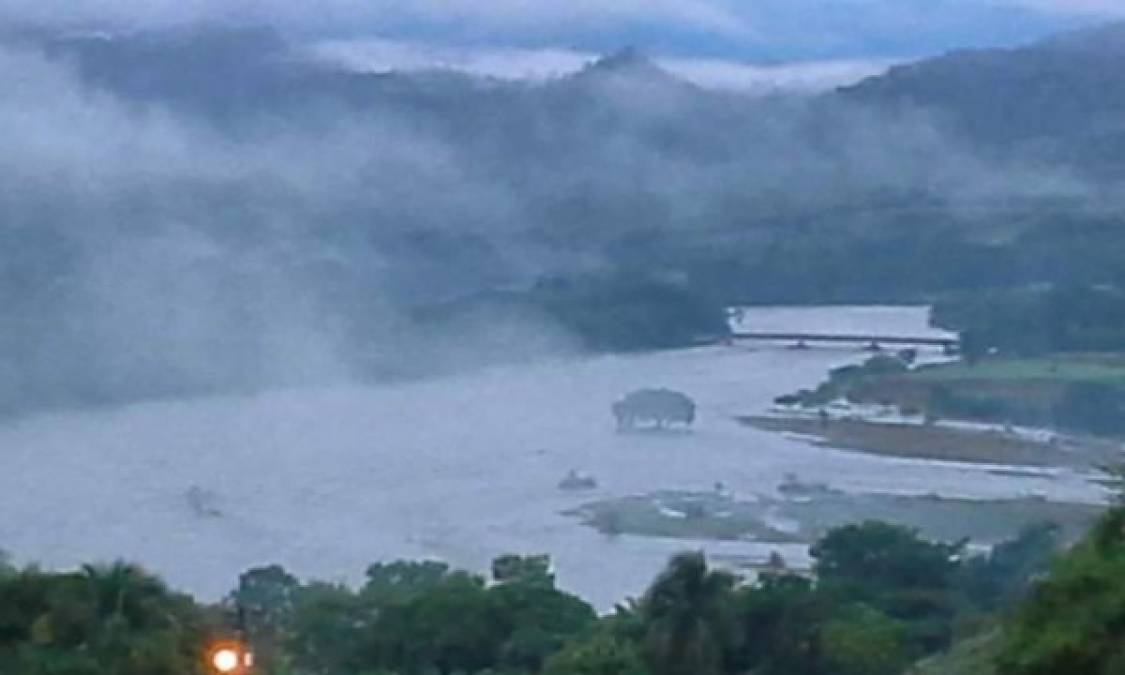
(231, 658)
(225, 660)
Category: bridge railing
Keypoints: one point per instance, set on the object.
(859, 338)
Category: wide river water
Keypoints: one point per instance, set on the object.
(463, 469)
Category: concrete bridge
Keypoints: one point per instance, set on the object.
(872, 341)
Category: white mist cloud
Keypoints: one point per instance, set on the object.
(381, 55)
(157, 251)
(808, 76)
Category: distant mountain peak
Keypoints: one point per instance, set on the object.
(628, 58)
(629, 63)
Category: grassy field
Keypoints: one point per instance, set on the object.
(1068, 368)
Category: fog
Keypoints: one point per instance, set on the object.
(379, 55)
(203, 210)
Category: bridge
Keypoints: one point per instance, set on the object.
(873, 341)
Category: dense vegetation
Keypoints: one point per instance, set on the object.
(882, 598)
(1037, 320)
(602, 312)
(1049, 355)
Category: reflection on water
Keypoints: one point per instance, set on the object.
(463, 469)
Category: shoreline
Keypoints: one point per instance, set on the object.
(941, 443)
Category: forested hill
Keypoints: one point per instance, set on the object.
(1061, 99)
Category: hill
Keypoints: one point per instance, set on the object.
(1059, 99)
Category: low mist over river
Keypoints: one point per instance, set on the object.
(327, 481)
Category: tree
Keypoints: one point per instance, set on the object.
(264, 600)
(689, 620)
(103, 619)
(1004, 575)
(893, 570)
(534, 569)
(539, 618)
(779, 621)
(266, 592)
(876, 554)
(603, 654)
(1074, 620)
(329, 622)
(401, 580)
(448, 627)
(863, 641)
(658, 406)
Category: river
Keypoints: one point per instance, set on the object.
(465, 468)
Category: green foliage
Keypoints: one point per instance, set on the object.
(401, 581)
(327, 627)
(883, 598)
(780, 622)
(1037, 320)
(872, 556)
(541, 618)
(102, 620)
(264, 603)
(602, 654)
(974, 655)
(446, 627)
(422, 617)
(266, 592)
(533, 570)
(628, 312)
(864, 641)
(844, 380)
(689, 618)
(1074, 620)
(893, 570)
(1004, 575)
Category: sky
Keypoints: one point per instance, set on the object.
(738, 29)
(727, 42)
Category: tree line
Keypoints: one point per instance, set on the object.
(1037, 320)
(879, 599)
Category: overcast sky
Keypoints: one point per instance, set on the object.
(513, 36)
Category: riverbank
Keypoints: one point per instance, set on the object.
(943, 442)
(801, 513)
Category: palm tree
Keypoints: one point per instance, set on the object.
(125, 593)
(140, 627)
(687, 612)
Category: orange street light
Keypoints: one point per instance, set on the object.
(230, 658)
